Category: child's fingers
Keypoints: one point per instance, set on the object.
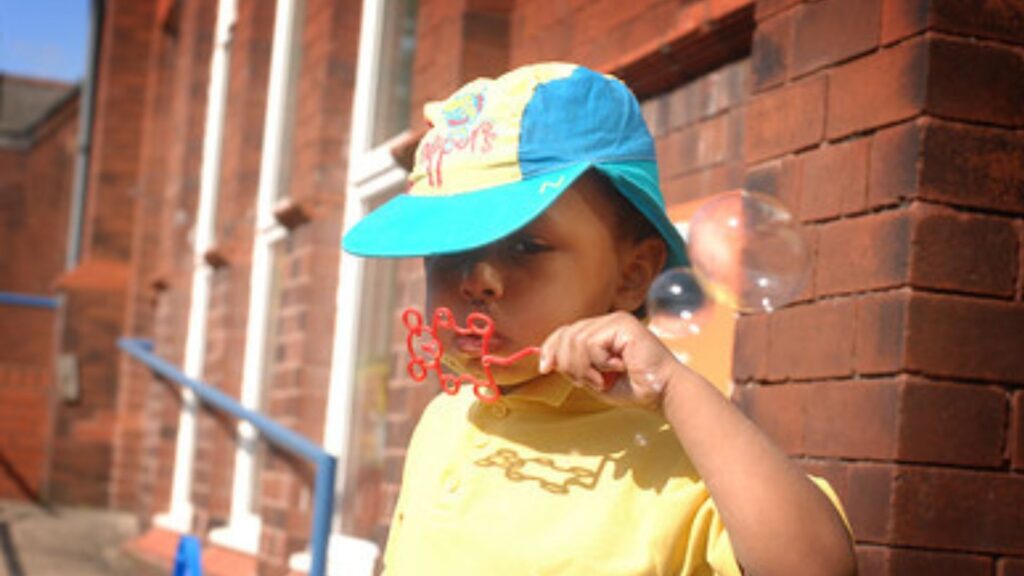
(547, 361)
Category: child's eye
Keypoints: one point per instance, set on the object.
(526, 246)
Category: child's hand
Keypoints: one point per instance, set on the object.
(614, 354)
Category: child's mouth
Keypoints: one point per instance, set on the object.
(472, 345)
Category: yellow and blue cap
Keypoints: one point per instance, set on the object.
(500, 151)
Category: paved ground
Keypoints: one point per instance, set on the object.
(66, 542)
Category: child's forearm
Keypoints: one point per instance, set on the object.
(779, 522)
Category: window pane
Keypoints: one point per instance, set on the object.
(394, 70)
(363, 498)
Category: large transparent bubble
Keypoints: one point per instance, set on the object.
(747, 252)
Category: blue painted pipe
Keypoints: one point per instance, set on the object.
(28, 300)
(285, 438)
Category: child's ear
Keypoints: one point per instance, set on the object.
(641, 264)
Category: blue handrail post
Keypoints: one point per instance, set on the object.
(323, 505)
(282, 437)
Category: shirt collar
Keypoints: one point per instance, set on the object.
(556, 391)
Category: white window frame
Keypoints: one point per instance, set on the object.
(178, 516)
(373, 174)
(242, 531)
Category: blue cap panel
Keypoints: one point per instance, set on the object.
(603, 124)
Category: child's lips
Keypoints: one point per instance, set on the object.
(473, 346)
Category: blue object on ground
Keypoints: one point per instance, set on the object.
(188, 559)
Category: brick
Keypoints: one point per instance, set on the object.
(701, 183)
(834, 180)
(852, 420)
(881, 88)
(868, 500)
(893, 165)
(750, 348)
(686, 104)
(1010, 567)
(764, 177)
(1015, 442)
(963, 252)
(869, 252)
(904, 419)
(785, 119)
(721, 8)
(881, 332)
(712, 141)
(727, 87)
(976, 82)
(954, 509)
(987, 336)
(790, 191)
(930, 410)
(973, 166)
(765, 8)
(829, 31)
(811, 341)
(997, 20)
(881, 560)
(902, 18)
(778, 410)
(1020, 276)
(771, 51)
(655, 111)
(677, 152)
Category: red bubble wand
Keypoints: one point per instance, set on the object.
(425, 351)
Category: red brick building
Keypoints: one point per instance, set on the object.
(232, 142)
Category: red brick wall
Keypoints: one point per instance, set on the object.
(297, 389)
(893, 128)
(35, 189)
(93, 315)
(167, 191)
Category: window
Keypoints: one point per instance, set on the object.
(362, 358)
(270, 243)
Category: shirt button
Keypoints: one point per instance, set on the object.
(451, 485)
(499, 410)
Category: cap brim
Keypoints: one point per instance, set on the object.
(411, 226)
(635, 180)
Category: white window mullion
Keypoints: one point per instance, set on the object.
(179, 516)
(242, 531)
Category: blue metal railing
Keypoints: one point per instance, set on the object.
(323, 494)
(28, 300)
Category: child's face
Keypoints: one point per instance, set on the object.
(564, 266)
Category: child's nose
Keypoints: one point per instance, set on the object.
(481, 281)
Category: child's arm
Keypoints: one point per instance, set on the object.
(778, 521)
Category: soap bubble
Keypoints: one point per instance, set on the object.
(748, 251)
(676, 303)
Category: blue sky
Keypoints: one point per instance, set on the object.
(44, 38)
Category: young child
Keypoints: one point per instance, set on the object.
(535, 200)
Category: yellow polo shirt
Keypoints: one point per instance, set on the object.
(552, 481)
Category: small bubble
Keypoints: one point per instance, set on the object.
(640, 440)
